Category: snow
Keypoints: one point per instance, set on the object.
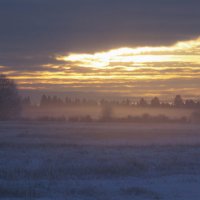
(114, 161)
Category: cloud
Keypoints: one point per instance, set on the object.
(33, 32)
(186, 51)
(141, 70)
(48, 26)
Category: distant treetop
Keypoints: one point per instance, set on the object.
(10, 106)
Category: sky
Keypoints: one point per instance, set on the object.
(108, 47)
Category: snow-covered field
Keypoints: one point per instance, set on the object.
(103, 161)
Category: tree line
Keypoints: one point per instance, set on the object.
(55, 101)
(11, 104)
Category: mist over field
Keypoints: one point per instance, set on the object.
(95, 112)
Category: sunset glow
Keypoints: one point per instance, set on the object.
(145, 70)
(187, 51)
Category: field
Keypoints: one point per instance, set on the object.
(99, 161)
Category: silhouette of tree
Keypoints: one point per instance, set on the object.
(155, 102)
(10, 105)
(142, 102)
(43, 101)
(51, 101)
(178, 101)
(56, 101)
(125, 102)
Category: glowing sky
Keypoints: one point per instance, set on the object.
(124, 47)
(183, 52)
(141, 71)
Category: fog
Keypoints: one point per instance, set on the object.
(95, 112)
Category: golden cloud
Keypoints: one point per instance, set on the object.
(186, 51)
(138, 71)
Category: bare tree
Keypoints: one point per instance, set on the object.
(10, 106)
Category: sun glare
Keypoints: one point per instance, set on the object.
(187, 51)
